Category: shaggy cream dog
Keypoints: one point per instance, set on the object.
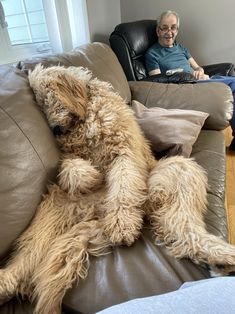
(108, 181)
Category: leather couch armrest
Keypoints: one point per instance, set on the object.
(225, 69)
(214, 98)
(29, 156)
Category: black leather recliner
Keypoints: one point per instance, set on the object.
(131, 40)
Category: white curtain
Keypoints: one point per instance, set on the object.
(67, 23)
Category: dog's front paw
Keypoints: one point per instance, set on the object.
(79, 176)
(123, 227)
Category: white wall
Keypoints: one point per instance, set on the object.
(103, 16)
(207, 26)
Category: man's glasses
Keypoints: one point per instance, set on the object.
(165, 29)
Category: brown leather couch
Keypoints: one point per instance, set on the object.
(29, 158)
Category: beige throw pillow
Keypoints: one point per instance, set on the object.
(170, 131)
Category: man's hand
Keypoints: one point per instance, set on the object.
(198, 71)
(200, 75)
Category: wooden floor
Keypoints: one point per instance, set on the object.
(230, 186)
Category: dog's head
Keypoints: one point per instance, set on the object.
(61, 93)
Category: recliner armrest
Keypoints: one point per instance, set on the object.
(225, 69)
(214, 98)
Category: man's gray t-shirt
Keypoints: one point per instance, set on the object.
(158, 57)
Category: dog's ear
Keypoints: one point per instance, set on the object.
(71, 93)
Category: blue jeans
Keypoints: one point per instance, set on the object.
(230, 81)
(207, 296)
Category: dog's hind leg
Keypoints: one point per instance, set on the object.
(126, 193)
(177, 202)
(50, 220)
(67, 261)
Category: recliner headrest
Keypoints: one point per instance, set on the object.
(138, 35)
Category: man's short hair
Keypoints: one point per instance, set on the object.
(166, 14)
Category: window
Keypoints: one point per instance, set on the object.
(41, 26)
(25, 21)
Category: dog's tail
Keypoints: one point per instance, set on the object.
(177, 203)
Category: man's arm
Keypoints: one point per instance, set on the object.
(198, 71)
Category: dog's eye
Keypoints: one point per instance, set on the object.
(57, 130)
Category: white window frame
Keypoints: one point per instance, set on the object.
(66, 31)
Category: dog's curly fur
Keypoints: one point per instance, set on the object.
(108, 181)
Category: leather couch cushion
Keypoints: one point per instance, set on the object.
(28, 155)
(143, 269)
(209, 152)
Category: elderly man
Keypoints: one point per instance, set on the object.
(166, 55)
